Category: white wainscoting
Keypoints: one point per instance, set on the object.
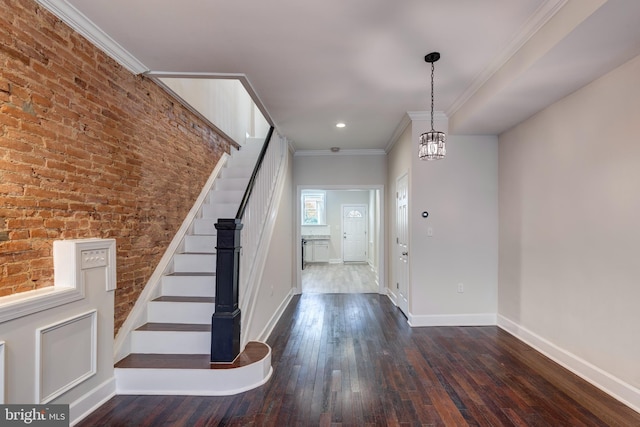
(71, 344)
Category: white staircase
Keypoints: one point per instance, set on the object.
(170, 353)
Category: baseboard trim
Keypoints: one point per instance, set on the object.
(264, 334)
(476, 319)
(91, 401)
(615, 387)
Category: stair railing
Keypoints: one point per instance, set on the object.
(232, 275)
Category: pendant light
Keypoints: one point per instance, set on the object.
(432, 143)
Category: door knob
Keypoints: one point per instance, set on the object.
(405, 253)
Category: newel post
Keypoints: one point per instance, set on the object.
(225, 322)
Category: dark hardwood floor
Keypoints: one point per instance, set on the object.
(352, 360)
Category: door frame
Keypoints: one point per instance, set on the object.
(396, 250)
(380, 226)
(366, 225)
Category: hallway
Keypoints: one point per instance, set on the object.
(349, 278)
(352, 359)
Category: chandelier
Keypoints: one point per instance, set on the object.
(432, 143)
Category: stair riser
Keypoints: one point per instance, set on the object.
(232, 184)
(170, 342)
(219, 210)
(243, 172)
(194, 263)
(200, 244)
(189, 286)
(180, 312)
(225, 196)
(204, 226)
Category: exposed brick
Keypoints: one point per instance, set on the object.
(90, 151)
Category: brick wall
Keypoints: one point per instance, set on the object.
(87, 149)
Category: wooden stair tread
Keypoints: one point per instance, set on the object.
(177, 327)
(185, 299)
(253, 352)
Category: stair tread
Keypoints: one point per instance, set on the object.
(253, 352)
(185, 299)
(175, 327)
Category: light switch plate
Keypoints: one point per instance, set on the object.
(93, 258)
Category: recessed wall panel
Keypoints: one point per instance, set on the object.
(66, 355)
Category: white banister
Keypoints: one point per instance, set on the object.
(259, 216)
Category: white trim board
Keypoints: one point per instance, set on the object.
(87, 28)
(2, 372)
(91, 401)
(475, 319)
(620, 390)
(273, 321)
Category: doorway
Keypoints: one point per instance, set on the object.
(359, 268)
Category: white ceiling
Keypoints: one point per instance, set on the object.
(314, 63)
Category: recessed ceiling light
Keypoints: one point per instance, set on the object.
(340, 125)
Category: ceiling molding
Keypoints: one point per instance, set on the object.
(83, 25)
(542, 15)
(426, 115)
(364, 152)
(397, 133)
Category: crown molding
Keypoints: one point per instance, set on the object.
(397, 133)
(540, 17)
(85, 27)
(364, 152)
(426, 115)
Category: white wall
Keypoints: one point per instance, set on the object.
(460, 193)
(225, 103)
(569, 234)
(338, 169)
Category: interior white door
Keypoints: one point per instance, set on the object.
(354, 231)
(402, 243)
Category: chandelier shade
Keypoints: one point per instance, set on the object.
(433, 143)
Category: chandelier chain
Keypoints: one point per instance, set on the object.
(432, 74)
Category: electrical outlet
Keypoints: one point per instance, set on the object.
(460, 288)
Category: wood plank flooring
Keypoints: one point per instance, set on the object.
(347, 278)
(352, 360)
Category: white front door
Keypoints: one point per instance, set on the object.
(402, 243)
(354, 233)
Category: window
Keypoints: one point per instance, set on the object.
(313, 207)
